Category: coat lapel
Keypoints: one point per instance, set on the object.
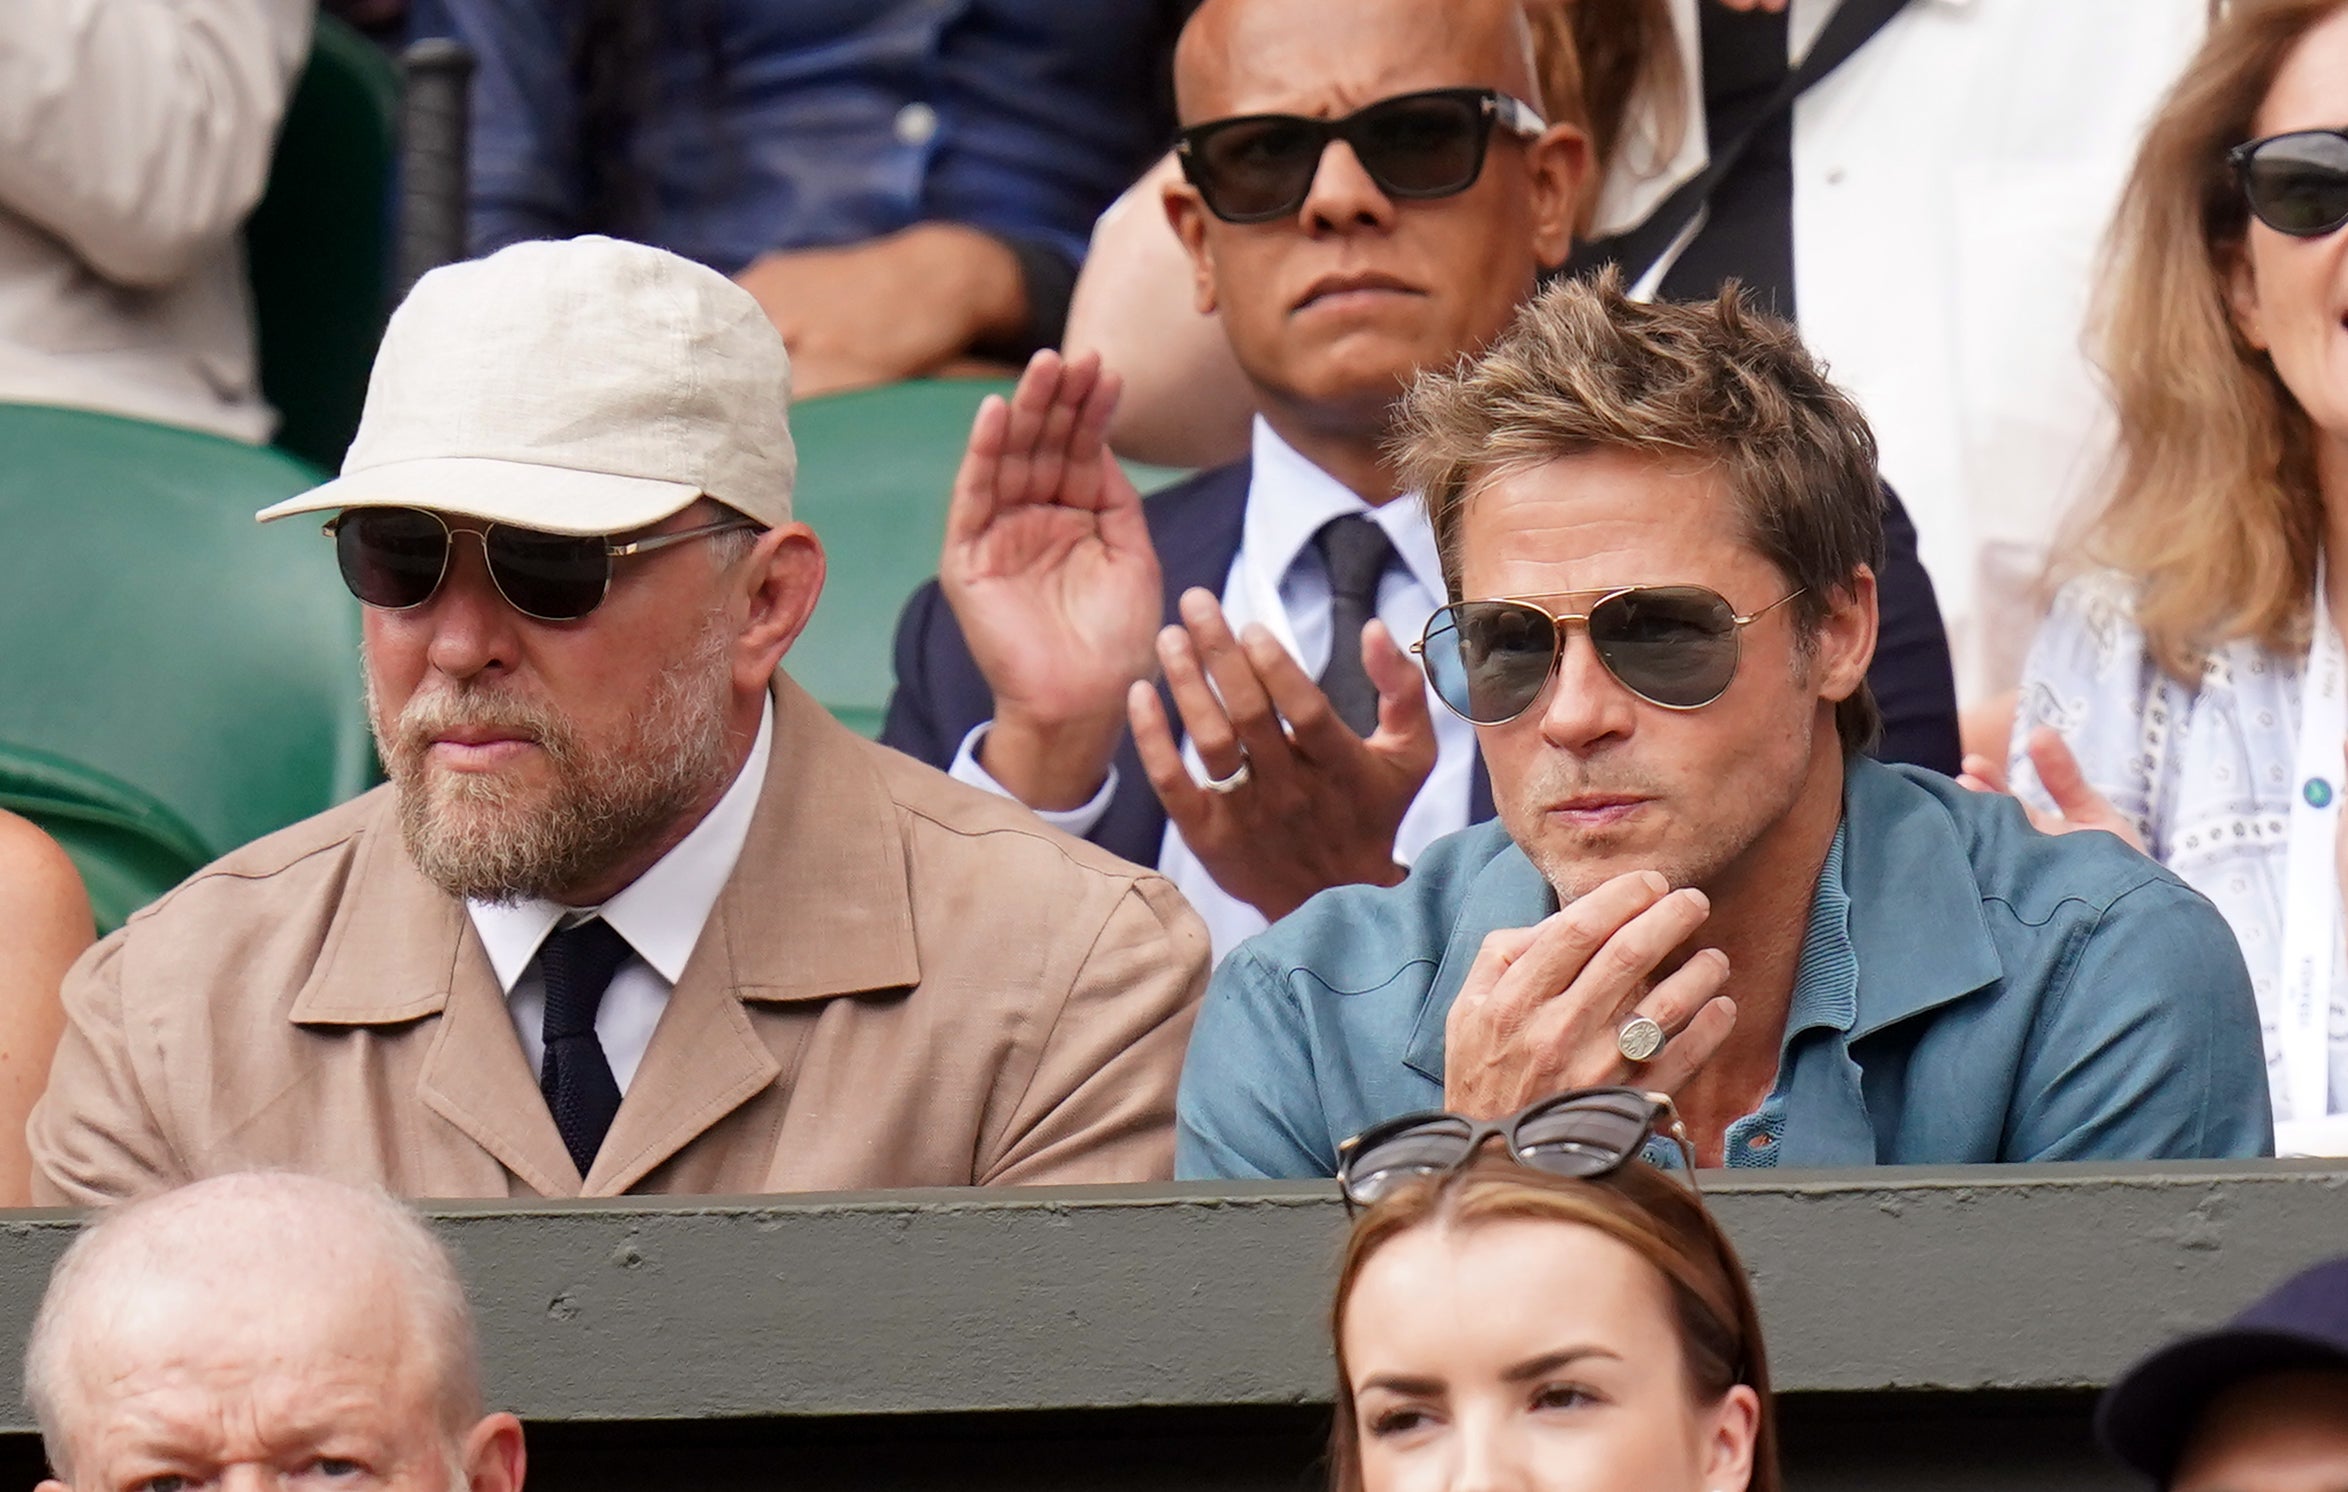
(399, 951)
(817, 906)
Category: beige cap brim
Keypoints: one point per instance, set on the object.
(521, 493)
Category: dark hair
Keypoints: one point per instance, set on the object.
(1585, 368)
(1664, 1222)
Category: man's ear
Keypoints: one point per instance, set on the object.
(494, 1458)
(1186, 214)
(2242, 296)
(1560, 162)
(1845, 641)
(782, 578)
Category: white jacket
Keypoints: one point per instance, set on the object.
(135, 137)
(1952, 184)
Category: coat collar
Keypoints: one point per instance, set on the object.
(818, 905)
(1904, 868)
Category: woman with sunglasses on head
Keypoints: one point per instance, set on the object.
(1552, 1314)
(2191, 695)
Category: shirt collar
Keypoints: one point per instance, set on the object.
(1826, 981)
(661, 912)
(1289, 499)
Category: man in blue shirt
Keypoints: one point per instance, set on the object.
(898, 182)
(1665, 525)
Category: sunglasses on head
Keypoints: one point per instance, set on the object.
(396, 558)
(2296, 183)
(1257, 167)
(1671, 645)
(1585, 1133)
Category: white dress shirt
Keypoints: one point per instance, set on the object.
(660, 913)
(1278, 579)
(1952, 183)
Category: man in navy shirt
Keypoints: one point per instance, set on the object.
(1662, 529)
(899, 182)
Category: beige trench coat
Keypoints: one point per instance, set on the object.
(906, 982)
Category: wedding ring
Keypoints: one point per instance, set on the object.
(1639, 1039)
(1232, 783)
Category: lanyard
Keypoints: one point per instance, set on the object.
(2311, 905)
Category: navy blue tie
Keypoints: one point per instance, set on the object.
(1358, 554)
(577, 964)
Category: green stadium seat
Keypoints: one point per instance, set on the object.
(160, 639)
(129, 848)
(318, 248)
(875, 468)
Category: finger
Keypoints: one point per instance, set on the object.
(1245, 700)
(1406, 726)
(977, 496)
(1615, 977)
(1203, 718)
(2059, 771)
(1161, 759)
(1050, 471)
(1295, 699)
(1674, 1001)
(1684, 1055)
(1982, 775)
(1567, 939)
(1031, 405)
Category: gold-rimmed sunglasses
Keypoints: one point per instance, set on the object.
(1672, 645)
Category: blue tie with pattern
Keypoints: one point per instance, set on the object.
(577, 964)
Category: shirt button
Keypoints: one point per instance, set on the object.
(917, 124)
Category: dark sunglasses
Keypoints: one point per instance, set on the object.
(2296, 183)
(1672, 645)
(1584, 1133)
(1257, 167)
(396, 558)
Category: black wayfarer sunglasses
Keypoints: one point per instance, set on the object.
(396, 558)
(1257, 167)
(2296, 183)
(1587, 1132)
(1672, 645)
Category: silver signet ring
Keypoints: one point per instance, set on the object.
(1639, 1039)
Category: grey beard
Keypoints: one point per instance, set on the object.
(481, 839)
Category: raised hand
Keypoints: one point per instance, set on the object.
(1542, 1006)
(2077, 805)
(1049, 569)
(1318, 805)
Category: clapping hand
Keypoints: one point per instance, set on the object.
(1305, 804)
(1049, 568)
(2077, 805)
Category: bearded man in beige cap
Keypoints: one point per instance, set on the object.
(633, 914)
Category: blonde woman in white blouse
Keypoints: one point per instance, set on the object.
(2191, 693)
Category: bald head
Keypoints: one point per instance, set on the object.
(1236, 53)
(259, 1285)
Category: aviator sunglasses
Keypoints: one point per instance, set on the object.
(1671, 645)
(2296, 183)
(396, 558)
(1584, 1133)
(1257, 167)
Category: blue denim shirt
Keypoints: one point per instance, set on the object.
(801, 123)
(1982, 992)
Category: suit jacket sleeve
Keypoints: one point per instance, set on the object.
(94, 1135)
(2150, 1050)
(917, 722)
(1099, 1105)
(1913, 680)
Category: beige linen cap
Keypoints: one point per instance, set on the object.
(581, 386)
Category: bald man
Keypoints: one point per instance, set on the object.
(1405, 199)
(265, 1330)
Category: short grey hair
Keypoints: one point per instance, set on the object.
(242, 1219)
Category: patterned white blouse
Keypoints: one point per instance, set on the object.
(2204, 770)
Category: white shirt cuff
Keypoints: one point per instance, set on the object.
(1078, 821)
